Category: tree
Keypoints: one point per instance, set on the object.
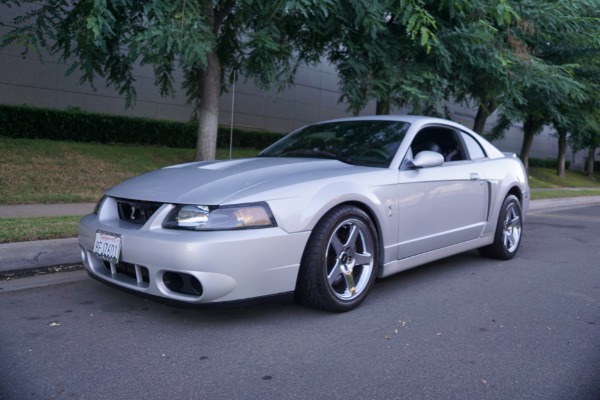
(374, 64)
(579, 125)
(581, 48)
(559, 35)
(590, 161)
(588, 136)
(206, 39)
(480, 41)
(463, 54)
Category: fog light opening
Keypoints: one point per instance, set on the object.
(182, 283)
(196, 285)
(173, 281)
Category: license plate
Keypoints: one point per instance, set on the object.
(107, 246)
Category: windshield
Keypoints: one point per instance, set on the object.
(367, 143)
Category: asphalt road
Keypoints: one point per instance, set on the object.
(462, 328)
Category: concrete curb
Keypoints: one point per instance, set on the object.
(39, 254)
(43, 254)
(537, 205)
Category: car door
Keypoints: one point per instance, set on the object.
(442, 205)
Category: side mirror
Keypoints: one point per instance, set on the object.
(428, 159)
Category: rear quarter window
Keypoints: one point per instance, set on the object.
(473, 147)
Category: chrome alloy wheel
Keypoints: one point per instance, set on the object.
(349, 259)
(511, 234)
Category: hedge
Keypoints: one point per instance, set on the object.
(596, 165)
(79, 126)
(547, 163)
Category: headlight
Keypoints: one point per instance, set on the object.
(213, 218)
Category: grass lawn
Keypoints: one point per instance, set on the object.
(38, 228)
(556, 187)
(36, 171)
(556, 194)
(546, 178)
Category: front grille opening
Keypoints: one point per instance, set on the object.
(182, 283)
(127, 269)
(136, 212)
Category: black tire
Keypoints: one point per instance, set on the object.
(509, 231)
(339, 264)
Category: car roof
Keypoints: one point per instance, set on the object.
(412, 119)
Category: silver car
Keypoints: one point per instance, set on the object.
(320, 214)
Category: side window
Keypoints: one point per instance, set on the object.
(473, 147)
(441, 140)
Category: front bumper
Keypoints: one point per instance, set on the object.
(194, 267)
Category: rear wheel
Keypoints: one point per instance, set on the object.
(340, 261)
(507, 238)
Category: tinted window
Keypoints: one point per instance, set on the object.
(440, 140)
(368, 143)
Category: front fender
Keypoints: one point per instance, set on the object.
(377, 195)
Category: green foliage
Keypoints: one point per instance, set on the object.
(40, 123)
(383, 62)
(418, 21)
(559, 84)
(429, 52)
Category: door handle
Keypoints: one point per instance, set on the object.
(474, 176)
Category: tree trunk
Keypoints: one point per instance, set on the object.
(382, 107)
(480, 119)
(590, 161)
(562, 153)
(483, 112)
(525, 149)
(208, 111)
(531, 127)
(210, 86)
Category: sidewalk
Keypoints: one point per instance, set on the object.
(46, 210)
(19, 258)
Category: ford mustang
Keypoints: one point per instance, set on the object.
(319, 214)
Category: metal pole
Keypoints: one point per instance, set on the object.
(232, 112)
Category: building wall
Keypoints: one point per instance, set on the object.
(24, 79)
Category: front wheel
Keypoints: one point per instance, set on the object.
(339, 264)
(507, 238)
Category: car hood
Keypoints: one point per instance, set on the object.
(213, 182)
